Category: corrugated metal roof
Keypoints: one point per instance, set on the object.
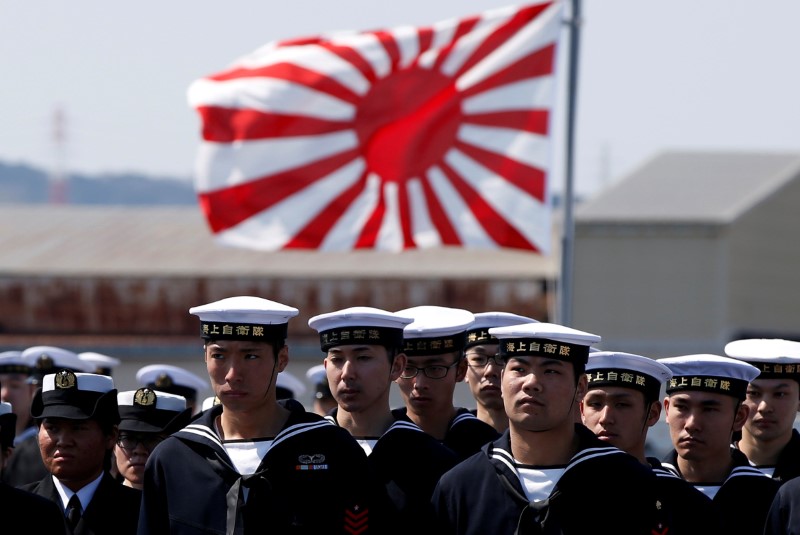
(175, 240)
(686, 187)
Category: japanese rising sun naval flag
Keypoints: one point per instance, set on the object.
(393, 139)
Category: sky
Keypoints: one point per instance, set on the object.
(653, 76)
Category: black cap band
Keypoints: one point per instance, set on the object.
(379, 336)
(417, 347)
(16, 368)
(709, 383)
(773, 370)
(600, 377)
(543, 347)
(214, 330)
(480, 336)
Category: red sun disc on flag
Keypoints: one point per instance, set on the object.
(396, 139)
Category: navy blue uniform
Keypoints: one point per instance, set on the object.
(788, 465)
(314, 479)
(741, 504)
(602, 490)
(36, 513)
(466, 434)
(685, 509)
(409, 463)
(114, 509)
(784, 514)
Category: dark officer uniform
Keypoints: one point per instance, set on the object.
(111, 508)
(43, 515)
(26, 465)
(602, 490)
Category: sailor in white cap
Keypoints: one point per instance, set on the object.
(103, 364)
(323, 398)
(23, 507)
(484, 366)
(769, 438)
(17, 387)
(253, 463)
(434, 346)
(26, 466)
(146, 418)
(77, 415)
(703, 409)
(623, 401)
(363, 355)
(173, 380)
(537, 477)
(288, 386)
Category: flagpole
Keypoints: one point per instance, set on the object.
(568, 234)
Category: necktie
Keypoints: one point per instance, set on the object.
(73, 511)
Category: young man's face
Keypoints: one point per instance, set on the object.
(360, 376)
(426, 395)
(74, 450)
(701, 424)
(131, 453)
(243, 372)
(773, 405)
(619, 416)
(484, 381)
(16, 390)
(540, 393)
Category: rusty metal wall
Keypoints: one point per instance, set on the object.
(158, 306)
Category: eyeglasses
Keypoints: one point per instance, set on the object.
(437, 371)
(129, 442)
(481, 360)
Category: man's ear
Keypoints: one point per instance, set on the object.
(742, 412)
(461, 370)
(283, 358)
(398, 364)
(653, 413)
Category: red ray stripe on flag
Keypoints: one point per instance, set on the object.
(405, 217)
(438, 216)
(228, 207)
(224, 125)
(535, 121)
(493, 223)
(464, 27)
(502, 34)
(293, 73)
(353, 58)
(525, 177)
(313, 234)
(425, 39)
(537, 63)
(389, 45)
(369, 233)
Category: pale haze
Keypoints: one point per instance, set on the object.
(654, 76)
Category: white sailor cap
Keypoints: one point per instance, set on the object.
(288, 386)
(149, 411)
(478, 332)
(359, 325)
(12, 362)
(8, 422)
(544, 340)
(209, 402)
(49, 359)
(709, 373)
(103, 364)
(171, 379)
(435, 330)
(244, 318)
(76, 396)
(613, 368)
(318, 377)
(774, 357)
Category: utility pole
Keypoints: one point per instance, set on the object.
(58, 179)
